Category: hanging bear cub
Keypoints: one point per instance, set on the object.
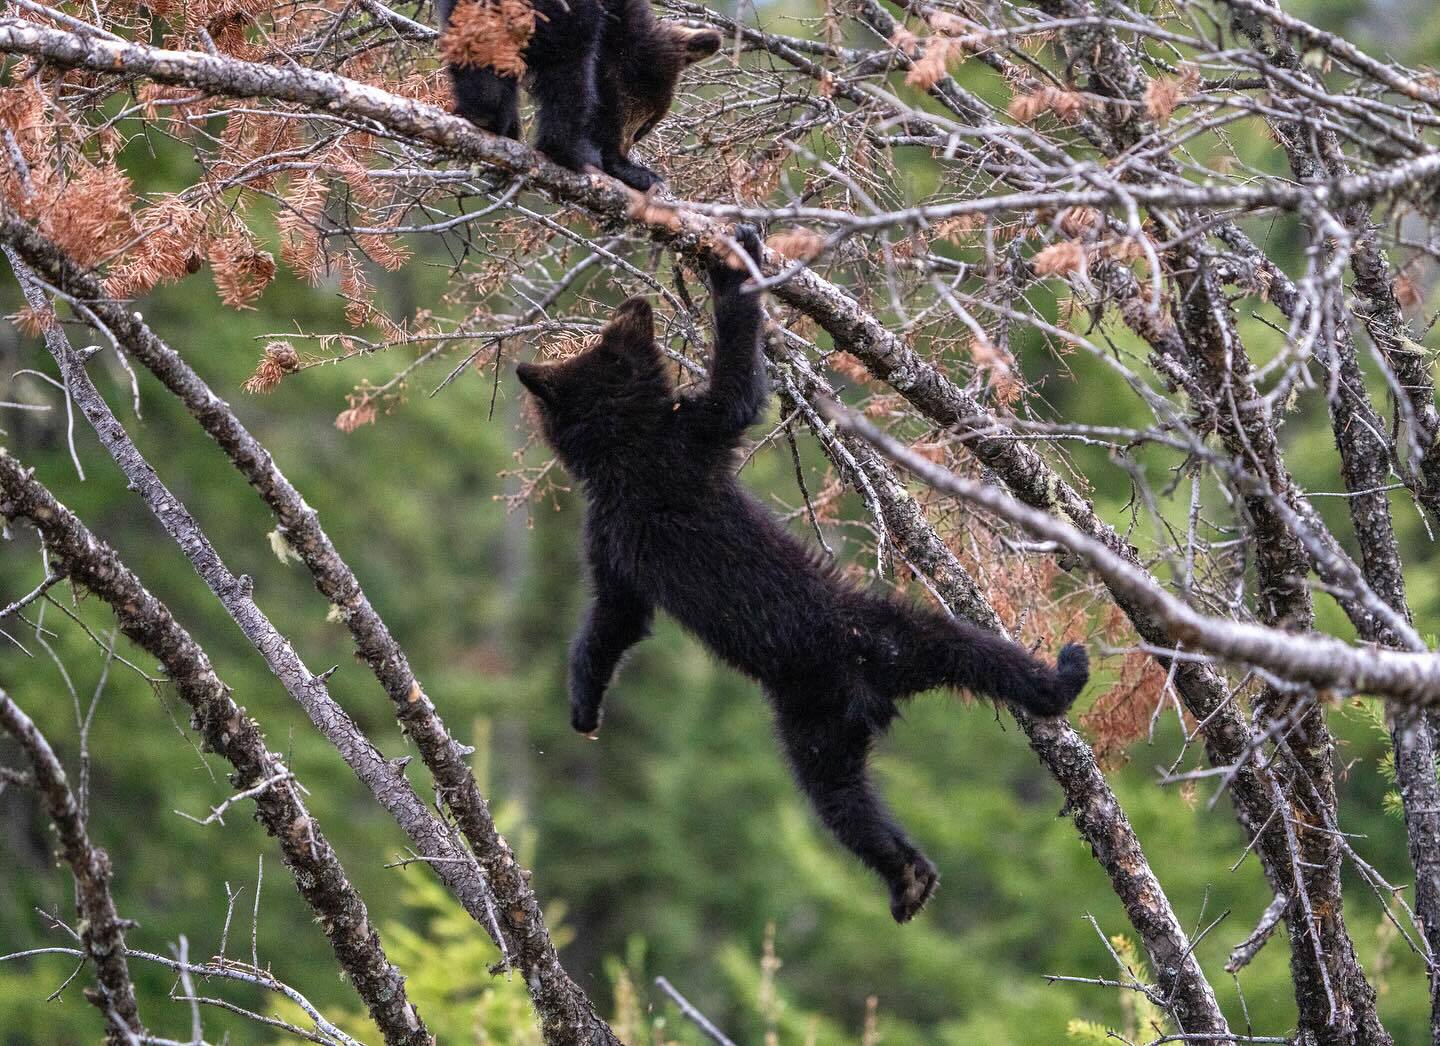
(603, 73)
(668, 525)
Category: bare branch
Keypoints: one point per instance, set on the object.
(102, 931)
(227, 731)
(564, 1009)
(1409, 679)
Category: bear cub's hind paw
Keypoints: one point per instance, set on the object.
(585, 721)
(913, 887)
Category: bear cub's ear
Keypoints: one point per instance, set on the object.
(632, 326)
(698, 44)
(536, 378)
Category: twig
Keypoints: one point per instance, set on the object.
(693, 1015)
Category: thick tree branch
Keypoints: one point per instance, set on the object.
(566, 1014)
(1365, 456)
(227, 731)
(1322, 662)
(606, 197)
(1332, 993)
(1089, 800)
(102, 931)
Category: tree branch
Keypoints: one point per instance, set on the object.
(226, 730)
(1089, 800)
(102, 931)
(1322, 662)
(565, 1012)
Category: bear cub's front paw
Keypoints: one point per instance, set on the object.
(725, 276)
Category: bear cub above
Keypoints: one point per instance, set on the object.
(603, 74)
(669, 525)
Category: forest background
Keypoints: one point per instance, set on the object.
(677, 845)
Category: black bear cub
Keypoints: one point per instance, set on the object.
(668, 525)
(603, 73)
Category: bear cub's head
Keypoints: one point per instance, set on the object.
(607, 397)
(651, 70)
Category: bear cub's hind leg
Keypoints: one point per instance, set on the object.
(828, 756)
(487, 99)
(565, 94)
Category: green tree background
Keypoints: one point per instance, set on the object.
(675, 846)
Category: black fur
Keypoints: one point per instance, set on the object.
(603, 73)
(669, 526)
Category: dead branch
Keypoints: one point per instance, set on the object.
(227, 731)
(102, 931)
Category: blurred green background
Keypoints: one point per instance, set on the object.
(675, 846)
